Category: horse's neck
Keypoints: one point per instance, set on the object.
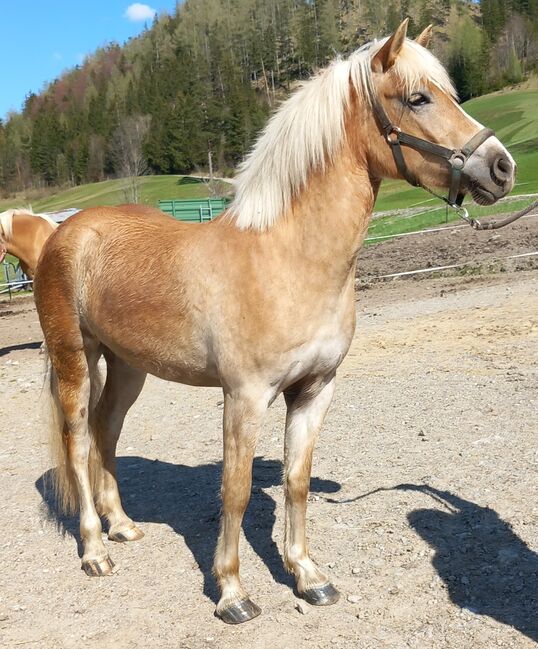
(29, 235)
(328, 221)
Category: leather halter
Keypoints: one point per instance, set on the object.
(456, 158)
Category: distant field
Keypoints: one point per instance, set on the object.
(110, 192)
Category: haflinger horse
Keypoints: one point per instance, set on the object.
(23, 234)
(259, 301)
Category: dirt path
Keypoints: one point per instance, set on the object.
(423, 507)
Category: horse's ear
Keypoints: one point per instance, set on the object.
(386, 56)
(424, 37)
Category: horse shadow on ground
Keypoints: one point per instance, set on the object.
(4, 351)
(186, 498)
(486, 567)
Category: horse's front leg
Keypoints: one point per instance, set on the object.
(307, 407)
(242, 420)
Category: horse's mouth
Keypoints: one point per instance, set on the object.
(481, 195)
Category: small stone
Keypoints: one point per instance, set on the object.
(354, 599)
(355, 571)
(301, 606)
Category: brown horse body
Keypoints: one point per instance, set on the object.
(258, 303)
(23, 235)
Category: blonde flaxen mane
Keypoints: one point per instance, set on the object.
(6, 220)
(307, 131)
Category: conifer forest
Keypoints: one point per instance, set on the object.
(202, 81)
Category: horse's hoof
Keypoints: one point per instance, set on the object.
(133, 533)
(239, 612)
(94, 568)
(322, 595)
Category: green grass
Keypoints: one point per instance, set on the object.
(13, 262)
(390, 225)
(110, 192)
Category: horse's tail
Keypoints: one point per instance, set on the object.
(61, 477)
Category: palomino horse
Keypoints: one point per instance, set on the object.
(23, 234)
(259, 301)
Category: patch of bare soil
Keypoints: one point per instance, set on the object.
(462, 245)
(422, 509)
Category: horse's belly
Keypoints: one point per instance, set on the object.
(172, 358)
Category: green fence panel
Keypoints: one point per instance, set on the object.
(194, 209)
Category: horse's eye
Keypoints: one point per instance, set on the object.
(418, 99)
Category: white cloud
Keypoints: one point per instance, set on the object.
(138, 11)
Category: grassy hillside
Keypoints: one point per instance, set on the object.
(110, 192)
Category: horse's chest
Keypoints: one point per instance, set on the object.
(318, 357)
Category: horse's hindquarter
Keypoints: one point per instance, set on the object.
(143, 298)
(207, 304)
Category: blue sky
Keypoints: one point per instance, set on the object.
(41, 38)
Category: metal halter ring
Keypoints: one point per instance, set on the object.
(458, 160)
(394, 130)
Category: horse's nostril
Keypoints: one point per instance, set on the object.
(502, 168)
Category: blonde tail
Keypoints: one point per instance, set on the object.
(61, 478)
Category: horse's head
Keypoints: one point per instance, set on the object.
(418, 131)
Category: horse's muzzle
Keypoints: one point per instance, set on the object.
(490, 172)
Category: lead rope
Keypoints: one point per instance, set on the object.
(480, 225)
(494, 225)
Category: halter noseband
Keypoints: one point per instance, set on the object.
(456, 158)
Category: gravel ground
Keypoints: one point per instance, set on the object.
(423, 507)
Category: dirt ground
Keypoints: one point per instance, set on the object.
(458, 244)
(423, 505)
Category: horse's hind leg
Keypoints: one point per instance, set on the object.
(307, 406)
(122, 387)
(75, 371)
